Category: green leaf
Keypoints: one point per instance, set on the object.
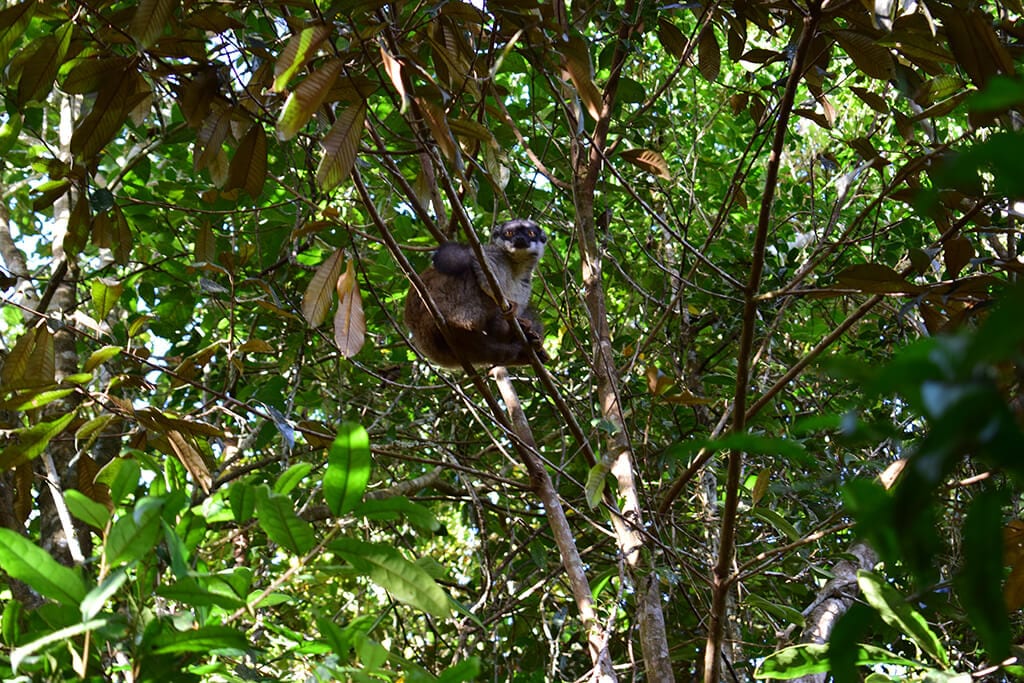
(277, 518)
(243, 501)
(594, 488)
(121, 475)
(27, 562)
(348, 469)
(292, 477)
(803, 660)
(896, 612)
(86, 509)
(979, 583)
(31, 441)
(98, 596)
(467, 670)
(134, 536)
(201, 639)
(398, 507)
(386, 567)
(190, 591)
(299, 50)
(19, 654)
(777, 521)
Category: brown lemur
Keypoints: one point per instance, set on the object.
(480, 334)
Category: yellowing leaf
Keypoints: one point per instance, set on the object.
(349, 320)
(105, 293)
(316, 301)
(340, 145)
(760, 485)
(648, 160)
(300, 49)
(149, 21)
(307, 97)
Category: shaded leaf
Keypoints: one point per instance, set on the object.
(201, 639)
(134, 536)
(150, 19)
(709, 55)
(867, 54)
(276, 516)
(248, 169)
(875, 279)
(385, 566)
(957, 253)
(671, 38)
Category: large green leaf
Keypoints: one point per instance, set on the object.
(201, 639)
(387, 568)
(25, 561)
(277, 518)
(133, 536)
(348, 469)
(811, 658)
(898, 613)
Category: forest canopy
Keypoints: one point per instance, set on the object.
(778, 429)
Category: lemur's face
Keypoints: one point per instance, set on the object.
(520, 238)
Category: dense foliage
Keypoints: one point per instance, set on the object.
(778, 298)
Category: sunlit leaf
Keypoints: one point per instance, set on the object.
(304, 101)
(300, 49)
(897, 612)
(348, 469)
(648, 160)
(25, 561)
(277, 518)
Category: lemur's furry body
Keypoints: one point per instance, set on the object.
(480, 334)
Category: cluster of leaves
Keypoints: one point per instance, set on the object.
(182, 183)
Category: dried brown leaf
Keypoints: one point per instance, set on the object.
(871, 57)
(249, 165)
(349, 320)
(648, 160)
(191, 458)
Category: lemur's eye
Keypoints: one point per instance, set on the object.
(509, 234)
